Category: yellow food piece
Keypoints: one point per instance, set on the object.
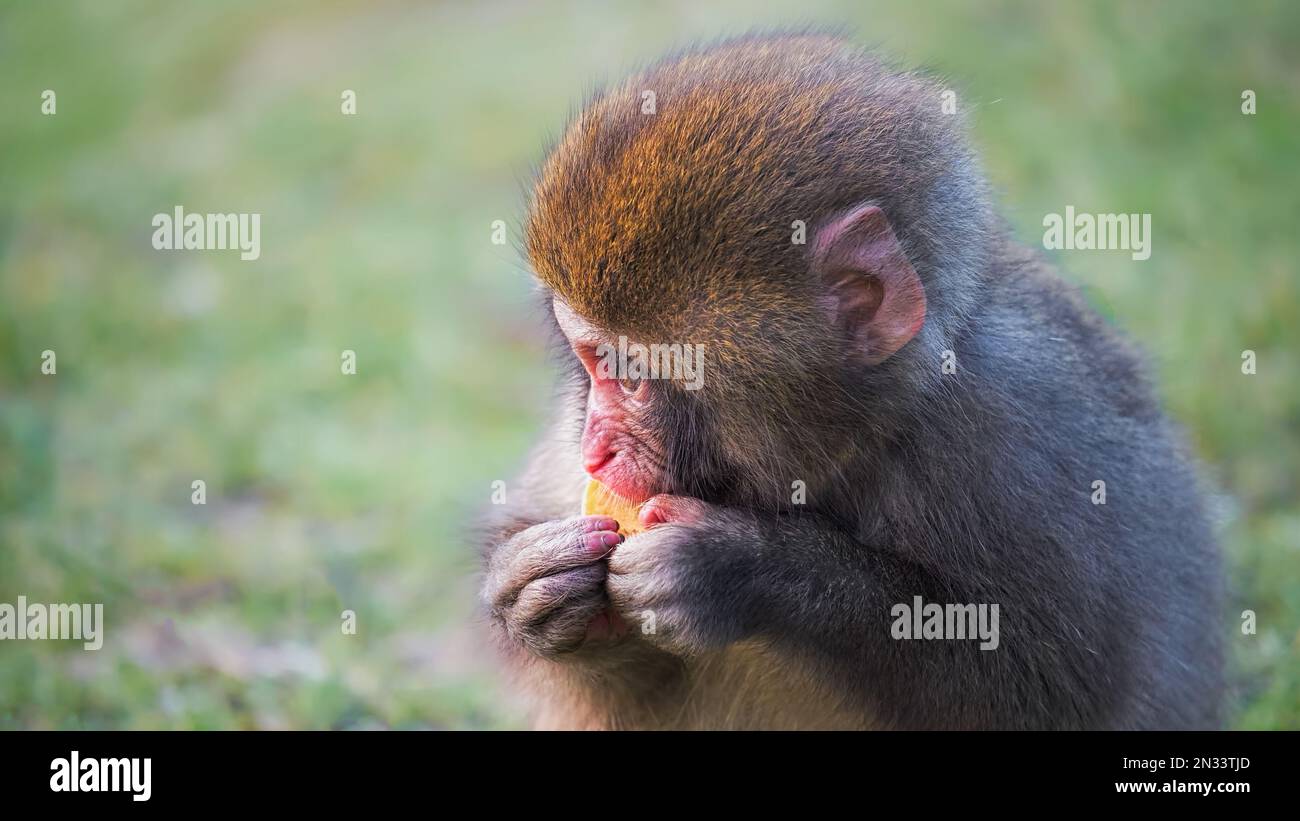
(598, 500)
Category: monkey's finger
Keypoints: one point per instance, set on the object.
(629, 592)
(665, 509)
(553, 614)
(541, 598)
(565, 632)
(550, 548)
(563, 552)
(645, 553)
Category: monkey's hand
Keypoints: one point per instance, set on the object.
(546, 585)
(675, 585)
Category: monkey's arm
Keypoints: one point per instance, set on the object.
(712, 576)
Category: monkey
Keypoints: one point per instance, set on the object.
(957, 425)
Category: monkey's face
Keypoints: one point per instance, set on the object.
(648, 432)
(621, 445)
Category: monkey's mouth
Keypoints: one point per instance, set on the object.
(624, 476)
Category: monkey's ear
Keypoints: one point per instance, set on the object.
(873, 291)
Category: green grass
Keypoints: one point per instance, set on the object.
(329, 492)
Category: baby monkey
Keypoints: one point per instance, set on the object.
(897, 405)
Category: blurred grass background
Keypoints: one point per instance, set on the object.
(329, 492)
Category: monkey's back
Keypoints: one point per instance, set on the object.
(1144, 537)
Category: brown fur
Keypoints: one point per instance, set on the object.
(676, 226)
(678, 218)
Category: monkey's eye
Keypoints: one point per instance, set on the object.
(630, 384)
